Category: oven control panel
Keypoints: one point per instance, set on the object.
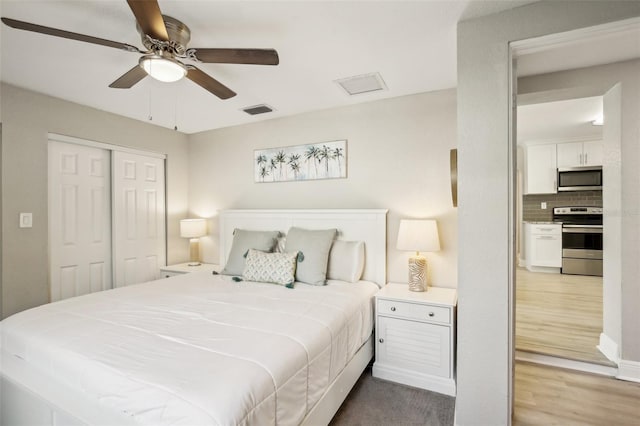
(577, 210)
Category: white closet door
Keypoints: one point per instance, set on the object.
(79, 220)
(138, 218)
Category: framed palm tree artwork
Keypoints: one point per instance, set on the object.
(324, 160)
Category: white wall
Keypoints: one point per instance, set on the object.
(621, 197)
(486, 164)
(26, 118)
(398, 159)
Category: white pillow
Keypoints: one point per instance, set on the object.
(346, 261)
(276, 268)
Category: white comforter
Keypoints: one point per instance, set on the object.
(198, 349)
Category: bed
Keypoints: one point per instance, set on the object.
(200, 348)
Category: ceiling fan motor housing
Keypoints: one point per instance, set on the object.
(179, 37)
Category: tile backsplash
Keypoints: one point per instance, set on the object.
(531, 210)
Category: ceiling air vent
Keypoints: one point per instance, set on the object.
(257, 109)
(362, 83)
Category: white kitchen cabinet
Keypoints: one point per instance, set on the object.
(579, 154)
(543, 247)
(540, 169)
(415, 337)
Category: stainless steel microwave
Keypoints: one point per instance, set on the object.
(580, 178)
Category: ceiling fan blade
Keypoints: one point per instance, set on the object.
(238, 56)
(130, 78)
(27, 26)
(209, 83)
(149, 17)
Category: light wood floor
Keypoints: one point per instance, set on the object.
(553, 396)
(559, 315)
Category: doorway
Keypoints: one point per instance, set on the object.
(559, 292)
(553, 69)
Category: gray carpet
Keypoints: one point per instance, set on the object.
(375, 402)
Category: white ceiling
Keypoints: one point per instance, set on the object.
(561, 120)
(596, 46)
(571, 119)
(412, 44)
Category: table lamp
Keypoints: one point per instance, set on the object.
(418, 235)
(193, 229)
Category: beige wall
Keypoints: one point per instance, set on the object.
(486, 161)
(398, 159)
(27, 118)
(621, 195)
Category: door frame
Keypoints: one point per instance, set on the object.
(516, 49)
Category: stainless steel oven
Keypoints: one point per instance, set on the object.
(581, 239)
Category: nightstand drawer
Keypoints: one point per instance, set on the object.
(414, 311)
(167, 274)
(184, 268)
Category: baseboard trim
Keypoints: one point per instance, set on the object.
(442, 385)
(545, 269)
(569, 364)
(609, 348)
(629, 370)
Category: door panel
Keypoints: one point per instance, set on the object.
(139, 218)
(79, 219)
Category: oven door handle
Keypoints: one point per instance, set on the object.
(581, 230)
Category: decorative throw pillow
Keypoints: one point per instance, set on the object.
(244, 240)
(314, 246)
(282, 240)
(276, 268)
(346, 261)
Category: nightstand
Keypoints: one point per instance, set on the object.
(184, 268)
(415, 337)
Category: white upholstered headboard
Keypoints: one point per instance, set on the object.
(368, 225)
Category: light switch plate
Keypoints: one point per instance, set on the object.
(26, 220)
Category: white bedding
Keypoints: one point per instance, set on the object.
(197, 348)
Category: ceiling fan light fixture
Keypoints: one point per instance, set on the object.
(162, 68)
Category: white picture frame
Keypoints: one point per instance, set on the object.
(323, 160)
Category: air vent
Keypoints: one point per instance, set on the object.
(362, 83)
(257, 109)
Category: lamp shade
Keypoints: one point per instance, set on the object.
(193, 228)
(418, 235)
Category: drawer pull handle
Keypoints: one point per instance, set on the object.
(431, 314)
(381, 340)
(393, 309)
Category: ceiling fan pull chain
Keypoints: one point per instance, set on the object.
(150, 116)
(175, 109)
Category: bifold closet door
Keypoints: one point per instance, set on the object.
(138, 218)
(79, 220)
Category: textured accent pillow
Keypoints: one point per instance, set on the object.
(276, 268)
(244, 240)
(314, 246)
(346, 261)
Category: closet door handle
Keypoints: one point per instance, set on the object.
(381, 340)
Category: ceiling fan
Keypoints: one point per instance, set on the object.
(166, 40)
